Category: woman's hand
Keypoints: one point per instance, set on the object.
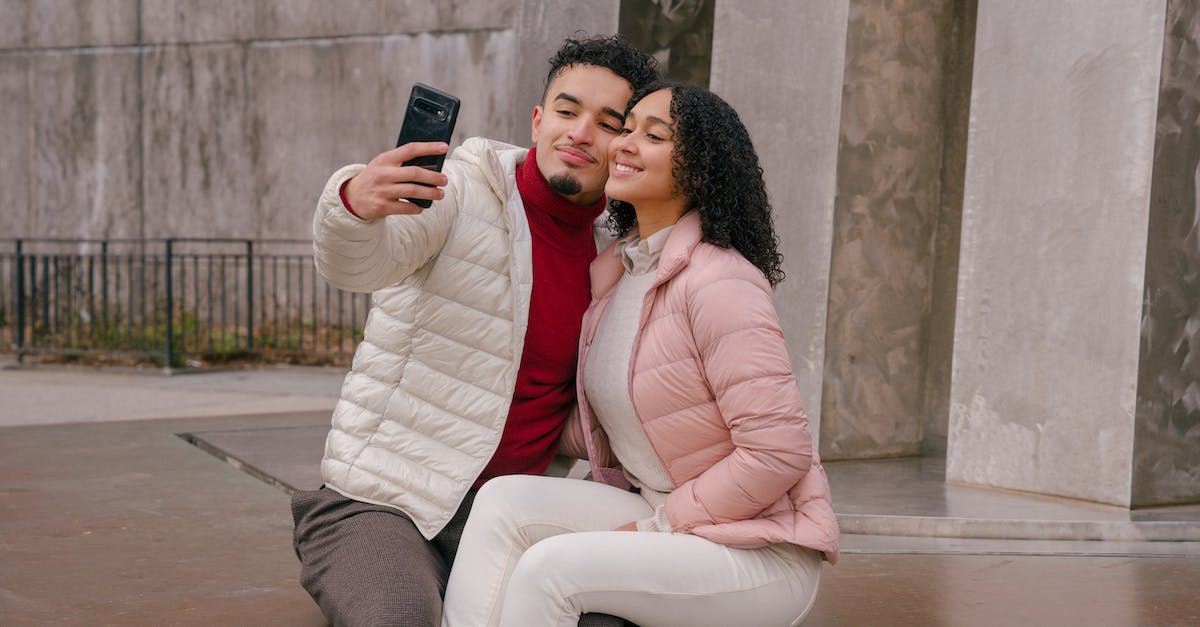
(629, 526)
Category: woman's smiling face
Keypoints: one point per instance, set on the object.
(641, 161)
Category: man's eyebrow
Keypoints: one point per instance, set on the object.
(562, 95)
(613, 112)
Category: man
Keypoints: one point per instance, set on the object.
(466, 370)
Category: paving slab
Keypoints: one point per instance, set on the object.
(125, 523)
(52, 395)
(288, 458)
(185, 520)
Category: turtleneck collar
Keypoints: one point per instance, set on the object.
(551, 215)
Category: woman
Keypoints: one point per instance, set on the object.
(685, 392)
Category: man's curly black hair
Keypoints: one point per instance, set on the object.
(717, 170)
(611, 52)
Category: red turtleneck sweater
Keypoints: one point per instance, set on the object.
(563, 247)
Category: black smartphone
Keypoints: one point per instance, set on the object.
(430, 117)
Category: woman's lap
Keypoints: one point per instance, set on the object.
(552, 538)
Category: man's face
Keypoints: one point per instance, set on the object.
(581, 113)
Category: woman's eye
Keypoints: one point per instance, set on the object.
(626, 131)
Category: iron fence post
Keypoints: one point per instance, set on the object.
(170, 339)
(249, 295)
(19, 266)
(109, 336)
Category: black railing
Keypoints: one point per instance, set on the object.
(173, 300)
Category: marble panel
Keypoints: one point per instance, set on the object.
(1166, 456)
(287, 19)
(16, 151)
(888, 177)
(200, 147)
(1053, 246)
(477, 66)
(412, 16)
(319, 107)
(180, 21)
(85, 137)
(184, 21)
(541, 28)
(70, 23)
(14, 15)
(315, 108)
(782, 71)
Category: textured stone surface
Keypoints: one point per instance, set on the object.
(13, 15)
(69, 23)
(1053, 247)
(449, 15)
(200, 146)
(85, 174)
(889, 163)
(314, 108)
(540, 30)
(181, 21)
(791, 109)
(958, 61)
(16, 215)
(1166, 456)
(184, 21)
(319, 107)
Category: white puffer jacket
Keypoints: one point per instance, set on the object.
(423, 407)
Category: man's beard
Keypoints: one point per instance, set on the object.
(565, 184)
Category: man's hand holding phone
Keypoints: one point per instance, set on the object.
(379, 189)
(399, 181)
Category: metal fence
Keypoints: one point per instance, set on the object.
(173, 300)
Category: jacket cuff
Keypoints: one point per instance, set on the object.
(346, 201)
(658, 522)
(333, 211)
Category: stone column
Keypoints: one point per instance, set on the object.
(900, 64)
(540, 29)
(1053, 255)
(782, 71)
(1166, 445)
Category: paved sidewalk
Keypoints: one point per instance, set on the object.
(110, 515)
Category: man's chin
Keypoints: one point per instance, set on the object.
(565, 184)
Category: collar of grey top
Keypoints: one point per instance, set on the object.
(641, 255)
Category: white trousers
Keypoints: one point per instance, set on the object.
(539, 551)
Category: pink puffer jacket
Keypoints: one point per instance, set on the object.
(714, 391)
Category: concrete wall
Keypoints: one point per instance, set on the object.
(782, 72)
(1059, 156)
(155, 118)
(1166, 455)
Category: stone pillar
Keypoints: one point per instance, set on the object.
(900, 65)
(540, 29)
(1053, 251)
(1166, 445)
(782, 71)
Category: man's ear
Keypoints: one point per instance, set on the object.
(537, 121)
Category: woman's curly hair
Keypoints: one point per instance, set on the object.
(717, 170)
